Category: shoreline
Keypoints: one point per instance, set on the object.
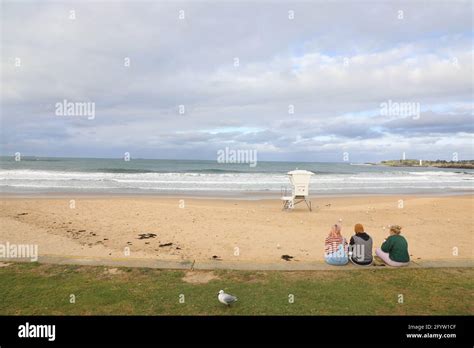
(259, 196)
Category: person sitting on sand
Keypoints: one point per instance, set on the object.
(360, 247)
(394, 251)
(335, 251)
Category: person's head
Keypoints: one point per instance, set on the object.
(395, 229)
(358, 228)
(335, 230)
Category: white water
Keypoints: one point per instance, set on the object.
(31, 181)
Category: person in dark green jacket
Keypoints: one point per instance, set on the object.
(394, 251)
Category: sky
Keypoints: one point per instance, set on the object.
(294, 81)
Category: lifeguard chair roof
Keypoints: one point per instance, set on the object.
(300, 171)
(300, 177)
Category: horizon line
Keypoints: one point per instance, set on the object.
(212, 160)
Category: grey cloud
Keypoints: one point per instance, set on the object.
(190, 62)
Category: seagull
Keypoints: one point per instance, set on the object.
(226, 298)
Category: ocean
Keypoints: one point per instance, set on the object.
(35, 175)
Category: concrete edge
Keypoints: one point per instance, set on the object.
(230, 265)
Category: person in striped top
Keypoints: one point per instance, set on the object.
(336, 248)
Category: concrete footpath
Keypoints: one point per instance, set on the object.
(281, 265)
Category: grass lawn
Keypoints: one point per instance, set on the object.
(39, 289)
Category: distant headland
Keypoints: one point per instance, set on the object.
(465, 164)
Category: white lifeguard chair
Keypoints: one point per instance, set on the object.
(299, 180)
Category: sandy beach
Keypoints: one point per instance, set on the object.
(231, 230)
